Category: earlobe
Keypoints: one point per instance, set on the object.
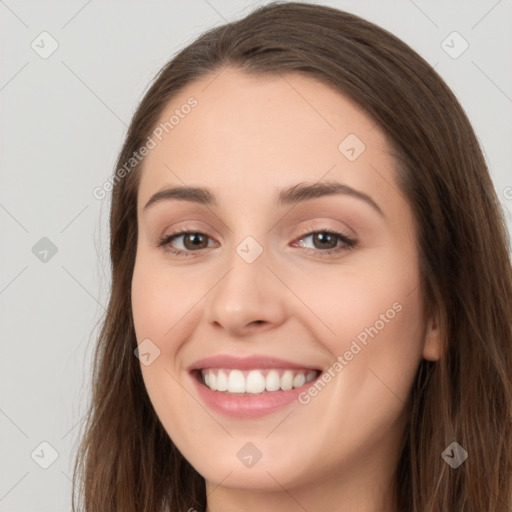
(432, 347)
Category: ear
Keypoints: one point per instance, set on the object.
(433, 346)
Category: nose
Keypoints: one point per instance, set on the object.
(248, 298)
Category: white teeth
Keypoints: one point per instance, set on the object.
(255, 381)
(236, 382)
(299, 380)
(272, 381)
(222, 381)
(310, 376)
(287, 380)
(212, 380)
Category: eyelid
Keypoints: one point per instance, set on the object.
(348, 242)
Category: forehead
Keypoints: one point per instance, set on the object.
(251, 134)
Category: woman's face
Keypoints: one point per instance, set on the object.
(262, 286)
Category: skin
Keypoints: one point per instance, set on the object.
(249, 137)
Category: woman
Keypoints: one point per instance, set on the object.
(311, 294)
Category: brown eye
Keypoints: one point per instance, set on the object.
(193, 241)
(188, 242)
(323, 240)
(326, 242)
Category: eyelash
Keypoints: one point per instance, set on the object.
(349, 243)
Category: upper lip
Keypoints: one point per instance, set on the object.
(246, 363)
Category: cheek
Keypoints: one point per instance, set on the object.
(160, 301)
(370, 317)
(147, 304)
(158, 315)
(380, 376)
(369, 299)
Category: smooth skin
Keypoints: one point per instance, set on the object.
(248, 138)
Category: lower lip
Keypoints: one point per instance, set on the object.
(248, 406)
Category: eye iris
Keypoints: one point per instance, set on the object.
(194, 238)
(322, 237)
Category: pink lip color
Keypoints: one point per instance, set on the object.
(246, 363)
(246, 406)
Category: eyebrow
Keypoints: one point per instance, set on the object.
(288, 196)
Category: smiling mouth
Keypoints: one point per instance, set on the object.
(256, 381)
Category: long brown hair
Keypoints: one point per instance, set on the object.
(128, 463)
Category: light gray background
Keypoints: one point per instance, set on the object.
(63, 120)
